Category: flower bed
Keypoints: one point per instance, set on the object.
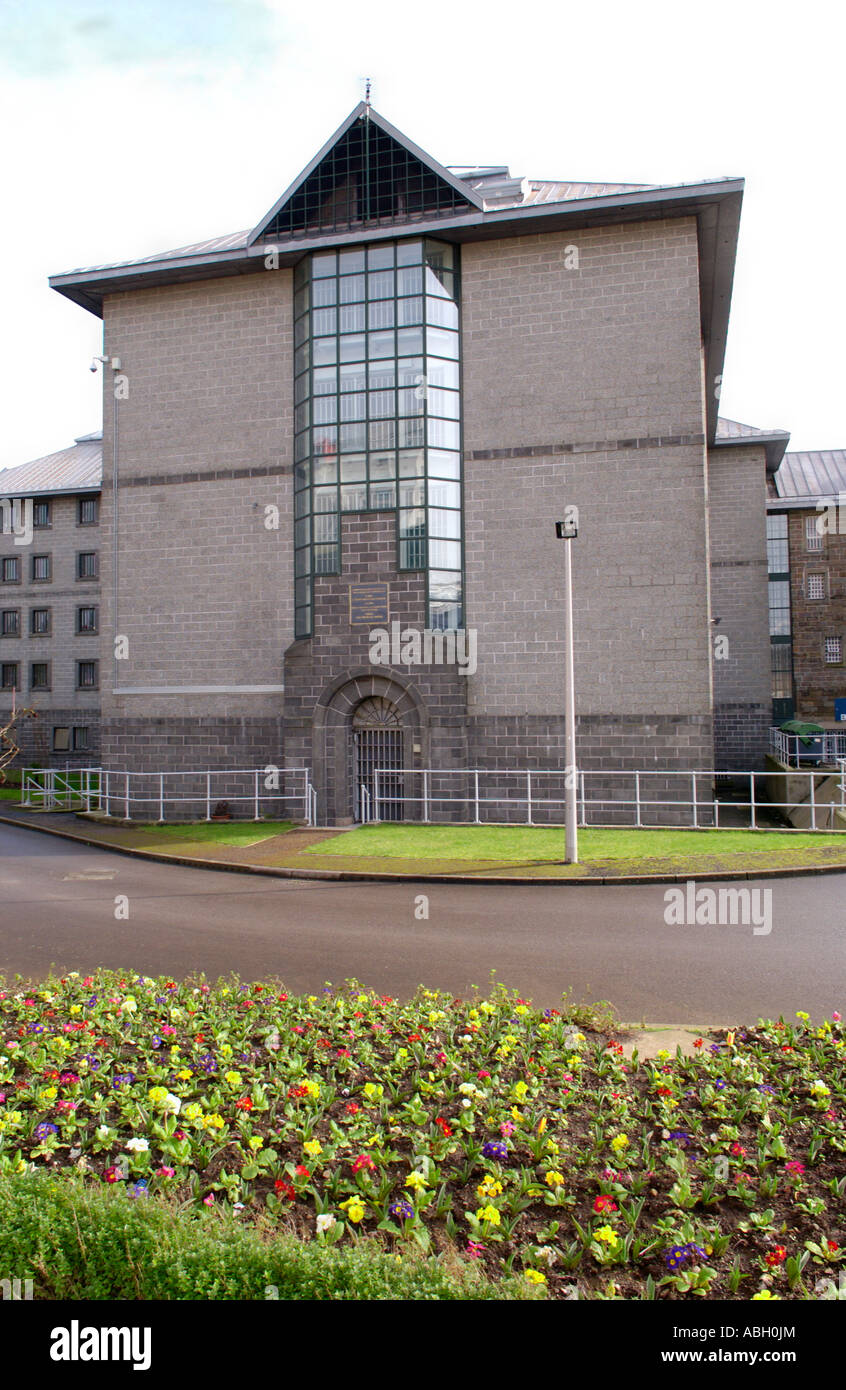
(482, 1128)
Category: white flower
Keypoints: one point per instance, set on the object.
(102, 1131)
(466, 1103)
(325, 1222)
(137, 1146)
(171, 1104)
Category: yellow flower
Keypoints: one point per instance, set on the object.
(552, 1146)
(157, 1094)
(542, 1125)
(354, 1208)
(620, 1142)
(76, 1008)
(804, 1017)
(192, 1112)
(233, 1078)
(49, 1093)
(521, 1009)
(765, 1295)
(185, 1074)
(516, 1114)
(415, 1180)
(489, 1214)
(534, 1276)
(255, 1142)
(129, 1005)
(607, 1234)
(313, 1147)
(554, 1178)
(489, 1187)
(214, 1122)
(313, 1088)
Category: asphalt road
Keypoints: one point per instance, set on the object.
(58, 906)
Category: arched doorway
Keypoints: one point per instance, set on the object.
(378, 745)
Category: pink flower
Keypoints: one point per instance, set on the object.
(482, 1075)
(165, 1172)
(836, 1016)
(507, 1128)
(209, 1201)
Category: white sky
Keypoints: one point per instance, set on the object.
(134, 128)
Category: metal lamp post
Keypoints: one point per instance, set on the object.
(567, 531)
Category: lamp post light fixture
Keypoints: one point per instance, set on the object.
(567, 531)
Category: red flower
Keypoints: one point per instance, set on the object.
(282, 998)
(414, 1037)
(352, 1108)
(364, 1161)
(244, 1103)
(832, 1246)
(443, 1126)
(604, 1204)
(283, 1187)
(297, 1092)
(697, 1042)
(301, 1171)
(777, 1257)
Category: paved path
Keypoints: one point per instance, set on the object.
(57, 907)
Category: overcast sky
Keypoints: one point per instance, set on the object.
(134, 128)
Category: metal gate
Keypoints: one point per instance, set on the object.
(377, 743)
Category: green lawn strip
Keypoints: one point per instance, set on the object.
(538, 843)
(183, 837)
(135, 1249)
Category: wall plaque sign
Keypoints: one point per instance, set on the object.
(368, 604)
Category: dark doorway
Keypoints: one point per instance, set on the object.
(377, 744)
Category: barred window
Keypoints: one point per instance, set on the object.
(833, 651)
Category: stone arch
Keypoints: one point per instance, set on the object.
(332, 724)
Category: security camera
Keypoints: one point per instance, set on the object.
(93, 367)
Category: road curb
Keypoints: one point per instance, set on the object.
(355, 876)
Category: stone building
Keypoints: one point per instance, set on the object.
(50, 603)
(806, 530)
(366, 413)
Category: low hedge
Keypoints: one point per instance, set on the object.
(79, 1242)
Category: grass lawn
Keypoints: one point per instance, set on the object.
(482, 1134)
(540, 850)
(205, 833)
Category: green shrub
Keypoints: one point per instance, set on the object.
(79, 1242)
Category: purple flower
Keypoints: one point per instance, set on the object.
(495, 1148)
(403, 1211)
(122, 1079)
(42, 1130)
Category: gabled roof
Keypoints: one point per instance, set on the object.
(732, 432)
(367, 175)
(807, 478)
(76, 469)
(331, 204)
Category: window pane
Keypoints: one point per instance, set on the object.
(443, 464)
(409, 252)
(323, 263)
(349, 261)
(444, 524)
(380, 344)
(441, 373)
(444, 554)
(353, 469)
(325, 380)
(443, 494)
(351, 318)
(324, 292)
(379, 257)
(325, 351)
(410, 280)
(352, 348)
(441, 342)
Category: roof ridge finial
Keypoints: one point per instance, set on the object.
(367, 95)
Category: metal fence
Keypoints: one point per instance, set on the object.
(637, 798)
(824, 749)
(239, 793)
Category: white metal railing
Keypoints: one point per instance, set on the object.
(155, 795)
(641, 797)
(824, 749)
(841, 786)
(51, 789)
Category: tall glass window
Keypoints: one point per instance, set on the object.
(378, 412)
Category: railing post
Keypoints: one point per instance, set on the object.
(695, 807)
(637, 797)
(476, 795)
(208, 796)
(425, 795)
(126, 796)
(754, 825)
(161, 796)
(256, 816)
(813, 801)
(376, 794)
(582, 796)
(528, 797)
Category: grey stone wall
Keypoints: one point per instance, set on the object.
(741, 644)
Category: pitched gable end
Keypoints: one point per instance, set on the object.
(367, 176)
